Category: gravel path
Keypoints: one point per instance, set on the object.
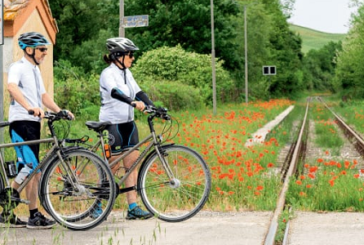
(206, 228)
(327, 229)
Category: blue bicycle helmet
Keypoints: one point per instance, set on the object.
(32, 39)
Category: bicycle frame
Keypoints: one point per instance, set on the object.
(154, 140)
(55, 150)
(142, 155)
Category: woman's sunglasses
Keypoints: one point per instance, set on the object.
(120, 54)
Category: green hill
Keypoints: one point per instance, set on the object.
(312, 39)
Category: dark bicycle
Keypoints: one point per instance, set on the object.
(173, 182)
(73, 182)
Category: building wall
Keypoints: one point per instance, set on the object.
(12, 53)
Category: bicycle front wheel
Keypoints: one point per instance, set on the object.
(78, 191)
(181, 197)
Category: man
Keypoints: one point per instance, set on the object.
(27, 93)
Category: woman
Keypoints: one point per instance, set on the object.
(120, 94)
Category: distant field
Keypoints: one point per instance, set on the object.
(312, 39)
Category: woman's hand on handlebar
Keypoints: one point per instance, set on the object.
(138, 105)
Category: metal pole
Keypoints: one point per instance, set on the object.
(121, 13)
(213, 58)
(246, 55)
(2, 72)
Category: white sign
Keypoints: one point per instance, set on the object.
(135, 21)
(2, 22)
(269, 70)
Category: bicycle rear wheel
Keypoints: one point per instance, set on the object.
(180, 198)
(70, 204)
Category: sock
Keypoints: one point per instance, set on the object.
(32, 212)
(132, 205)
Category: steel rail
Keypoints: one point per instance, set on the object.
(271, 234)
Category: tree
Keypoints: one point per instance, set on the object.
(319, 66)
(285, 52)
(186, 22)
(80, 21)
(350, 72)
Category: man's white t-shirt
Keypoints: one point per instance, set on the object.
(112, 109)
(29, 81)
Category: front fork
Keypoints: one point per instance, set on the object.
(70, 173)
(162, 154)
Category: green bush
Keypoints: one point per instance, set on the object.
(173, 95)
(183, 68)
(73, 90)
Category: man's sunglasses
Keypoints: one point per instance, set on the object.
(42, 49)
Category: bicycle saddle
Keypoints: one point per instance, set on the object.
(97, 126)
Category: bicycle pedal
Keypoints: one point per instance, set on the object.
(15, 199)
(25, 201)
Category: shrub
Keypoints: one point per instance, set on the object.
(173, 95)
(73, 90)
(184, 68)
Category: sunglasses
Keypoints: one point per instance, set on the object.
(131, 55)
(42, 49)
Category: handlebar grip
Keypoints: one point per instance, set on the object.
(31, 112)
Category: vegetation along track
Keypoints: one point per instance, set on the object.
(303, 148)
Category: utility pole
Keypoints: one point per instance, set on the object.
(246, 54)
(213, 58)
(121, 13)
(2, 70)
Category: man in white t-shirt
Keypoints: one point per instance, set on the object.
(27, 93)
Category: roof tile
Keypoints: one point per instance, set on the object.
(12, 7)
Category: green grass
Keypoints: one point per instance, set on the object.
(312, 39)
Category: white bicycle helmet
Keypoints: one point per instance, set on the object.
(120, 44)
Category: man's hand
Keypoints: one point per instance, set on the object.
(37, 112)
(66, 114)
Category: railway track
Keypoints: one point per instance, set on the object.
(295, 155)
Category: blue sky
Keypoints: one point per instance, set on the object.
(330, 16)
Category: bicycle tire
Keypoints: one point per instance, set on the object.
(70, 207)
(181, 200)
(2, 185)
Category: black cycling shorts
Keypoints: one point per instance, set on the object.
(122, 136)
(27, 130)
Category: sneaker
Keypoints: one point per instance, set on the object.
(138, 213)
(40, 222)
(97, 211)
(11, 220)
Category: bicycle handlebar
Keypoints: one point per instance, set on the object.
(63, 114)
(157, 112)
